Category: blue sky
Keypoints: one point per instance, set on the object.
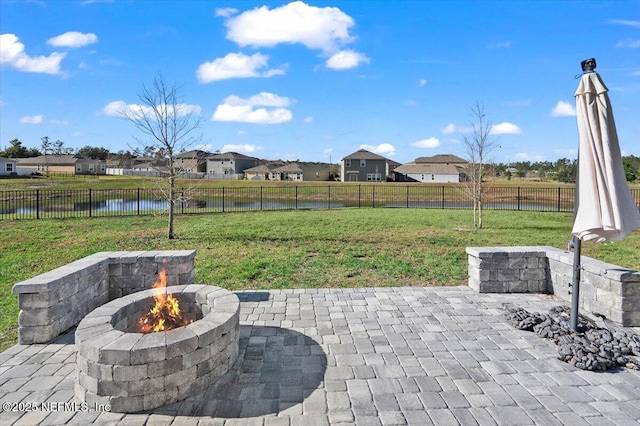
(319, 80)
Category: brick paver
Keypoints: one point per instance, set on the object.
(367, 356)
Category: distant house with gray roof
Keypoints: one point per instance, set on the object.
(229, 164)
(62, 165)
(366, 166)
(301, 171)
(443, 168)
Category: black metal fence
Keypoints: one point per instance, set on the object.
(42, 204)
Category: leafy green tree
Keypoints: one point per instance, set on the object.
(16, 150)
(631, 166)
(566, 170)
(95, 153)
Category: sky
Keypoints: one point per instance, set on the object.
(318, 80)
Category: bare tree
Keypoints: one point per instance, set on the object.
(478, 146)
(169, 127)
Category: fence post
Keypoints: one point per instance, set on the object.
(296, 197)
(138, 202)
(359, 195)
(260, 197)
(223, 199)
(442, 198)
(518, 198)
(329, 195)
(407, 196)
(373, 196)
(558, 198)
(181, 200)
(90, 203)
(37, 204)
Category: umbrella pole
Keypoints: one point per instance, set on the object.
(575, 284)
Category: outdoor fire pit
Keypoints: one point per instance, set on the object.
(156, 347)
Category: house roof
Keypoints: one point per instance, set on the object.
(58, 160)
(7, 159)
(435, 169)
(262, 168)
(441, 159)
(195, 153)
(288, 168)
(363, 154)
(229, 155)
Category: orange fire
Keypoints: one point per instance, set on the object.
(165, 314)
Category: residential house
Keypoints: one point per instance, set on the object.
(261, 172)
(443, 159)
(229, 164)
(366, 166)
(301, 171)
(8, 167)
(62, 165)
(442, 168)
(192, 161)
(440, 173)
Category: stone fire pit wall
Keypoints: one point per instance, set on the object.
(604, 288)
(130, 371)
(57, 300)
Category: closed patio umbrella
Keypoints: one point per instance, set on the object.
(605, 209)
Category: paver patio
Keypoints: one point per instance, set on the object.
(367, 356)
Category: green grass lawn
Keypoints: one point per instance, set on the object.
(292, 249)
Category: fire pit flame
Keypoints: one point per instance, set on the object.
(165, 314)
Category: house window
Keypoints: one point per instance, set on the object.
(8, 167)
(317, 174)
(347, 163)
(374, 177)
(363, 163)
(422, 178)
(433, 177)
(103, 167)
(90, 168)
(298, 176)
(78, 168)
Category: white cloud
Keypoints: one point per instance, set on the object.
(12, 54)
(59, 122)
(530, 156)
(325, 28)
(235, 65)
(226, 12)
(626, 22)
(308, 120)
(34, 119)
(73, 39)
(422, 82)
(505, 129)
(237, 109)
(628, 43)
(427, 143)
(327, 151)
(454, 128)
(119, 108)
(346, 59)
(382, 149)
(563, 109)
(241, 148)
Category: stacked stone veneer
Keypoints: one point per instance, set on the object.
(131, 371)
(604, 288)
(57, 300)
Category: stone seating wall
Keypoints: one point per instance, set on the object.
(604, 288)
(57, 300)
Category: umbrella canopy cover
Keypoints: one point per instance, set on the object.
(606, 210)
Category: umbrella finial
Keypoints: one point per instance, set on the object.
(588, 65)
